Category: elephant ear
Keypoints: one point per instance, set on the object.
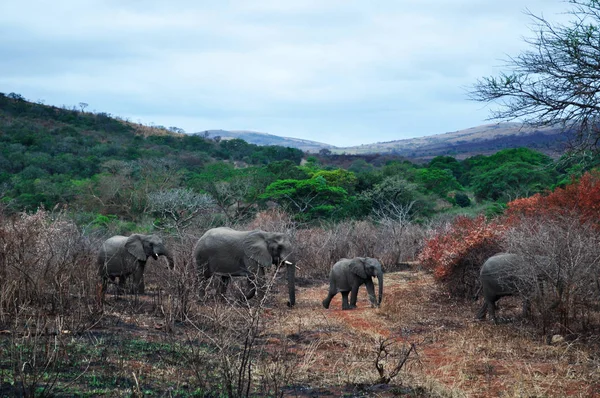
(357, 266)
(135, 247)
(255, 247)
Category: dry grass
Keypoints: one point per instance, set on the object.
(172, 341)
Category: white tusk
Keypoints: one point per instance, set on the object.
(287, 262)
(298, 268)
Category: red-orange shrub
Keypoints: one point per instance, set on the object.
(455, 253)
(579, 199)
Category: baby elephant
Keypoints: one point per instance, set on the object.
(348, 274)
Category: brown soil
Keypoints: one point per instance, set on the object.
(455, 355)
(332, 352)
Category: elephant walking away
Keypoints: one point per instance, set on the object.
(122, 256)
(226, 252)
(347, 275)
(498, 279)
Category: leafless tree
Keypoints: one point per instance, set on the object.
(556, 82)
(178, 207)
(395, 220)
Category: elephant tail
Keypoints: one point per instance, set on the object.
(477, 293)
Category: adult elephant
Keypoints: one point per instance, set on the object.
(499, 277)
(122, 256)
(347, 275)
(226, 252)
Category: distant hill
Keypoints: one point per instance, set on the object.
(257, 138)
(481, 140)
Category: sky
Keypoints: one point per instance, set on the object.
(341, 72)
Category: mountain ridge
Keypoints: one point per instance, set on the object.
(478, 140)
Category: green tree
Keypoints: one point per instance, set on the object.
(447, 163)
(462, 199)
(479, 164)
(339, 178)
(286, 170)
(404, 169)
(437, 181)
(307, 199)
(512, 180)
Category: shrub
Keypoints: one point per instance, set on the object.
(456, 250)
(462, 199)
(580, 199)
(43, 267)
(563, 264)
(559, 234)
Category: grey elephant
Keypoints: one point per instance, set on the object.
(226, 252)
(122, 256)
(499, 278)
(347, 275)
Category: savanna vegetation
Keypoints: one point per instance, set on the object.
(70, 178)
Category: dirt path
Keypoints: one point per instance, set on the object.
(332, 353)
(456, 355)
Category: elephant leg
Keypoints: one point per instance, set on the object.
(121, 284)
(223, 283)
(256, 281)
(345, 305)
(354, 296)
(526, 307)
(138, 280)
(251, 292)
(371, 291)
(103, 286)
(204, 276)
(141, 287)
(492, 309)
(261, 283)
(332, 292)
(291, 281)
(482, 311)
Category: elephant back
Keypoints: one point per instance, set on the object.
(221, 250)
(113, 259)
(340, 273)
(500, 263)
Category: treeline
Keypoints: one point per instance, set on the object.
(108, 170)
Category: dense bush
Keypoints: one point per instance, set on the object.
(560, 235)
(580, 199)
(455, 251)
(44, 266)
(560, 274)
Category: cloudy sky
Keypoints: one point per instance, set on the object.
(343, 72)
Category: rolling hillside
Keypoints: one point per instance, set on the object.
(254, 137)
(485, 139)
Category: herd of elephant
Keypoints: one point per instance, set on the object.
(225, 253)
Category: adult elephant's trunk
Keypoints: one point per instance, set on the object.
(169, 257)
(291, 280)
(380, 280)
